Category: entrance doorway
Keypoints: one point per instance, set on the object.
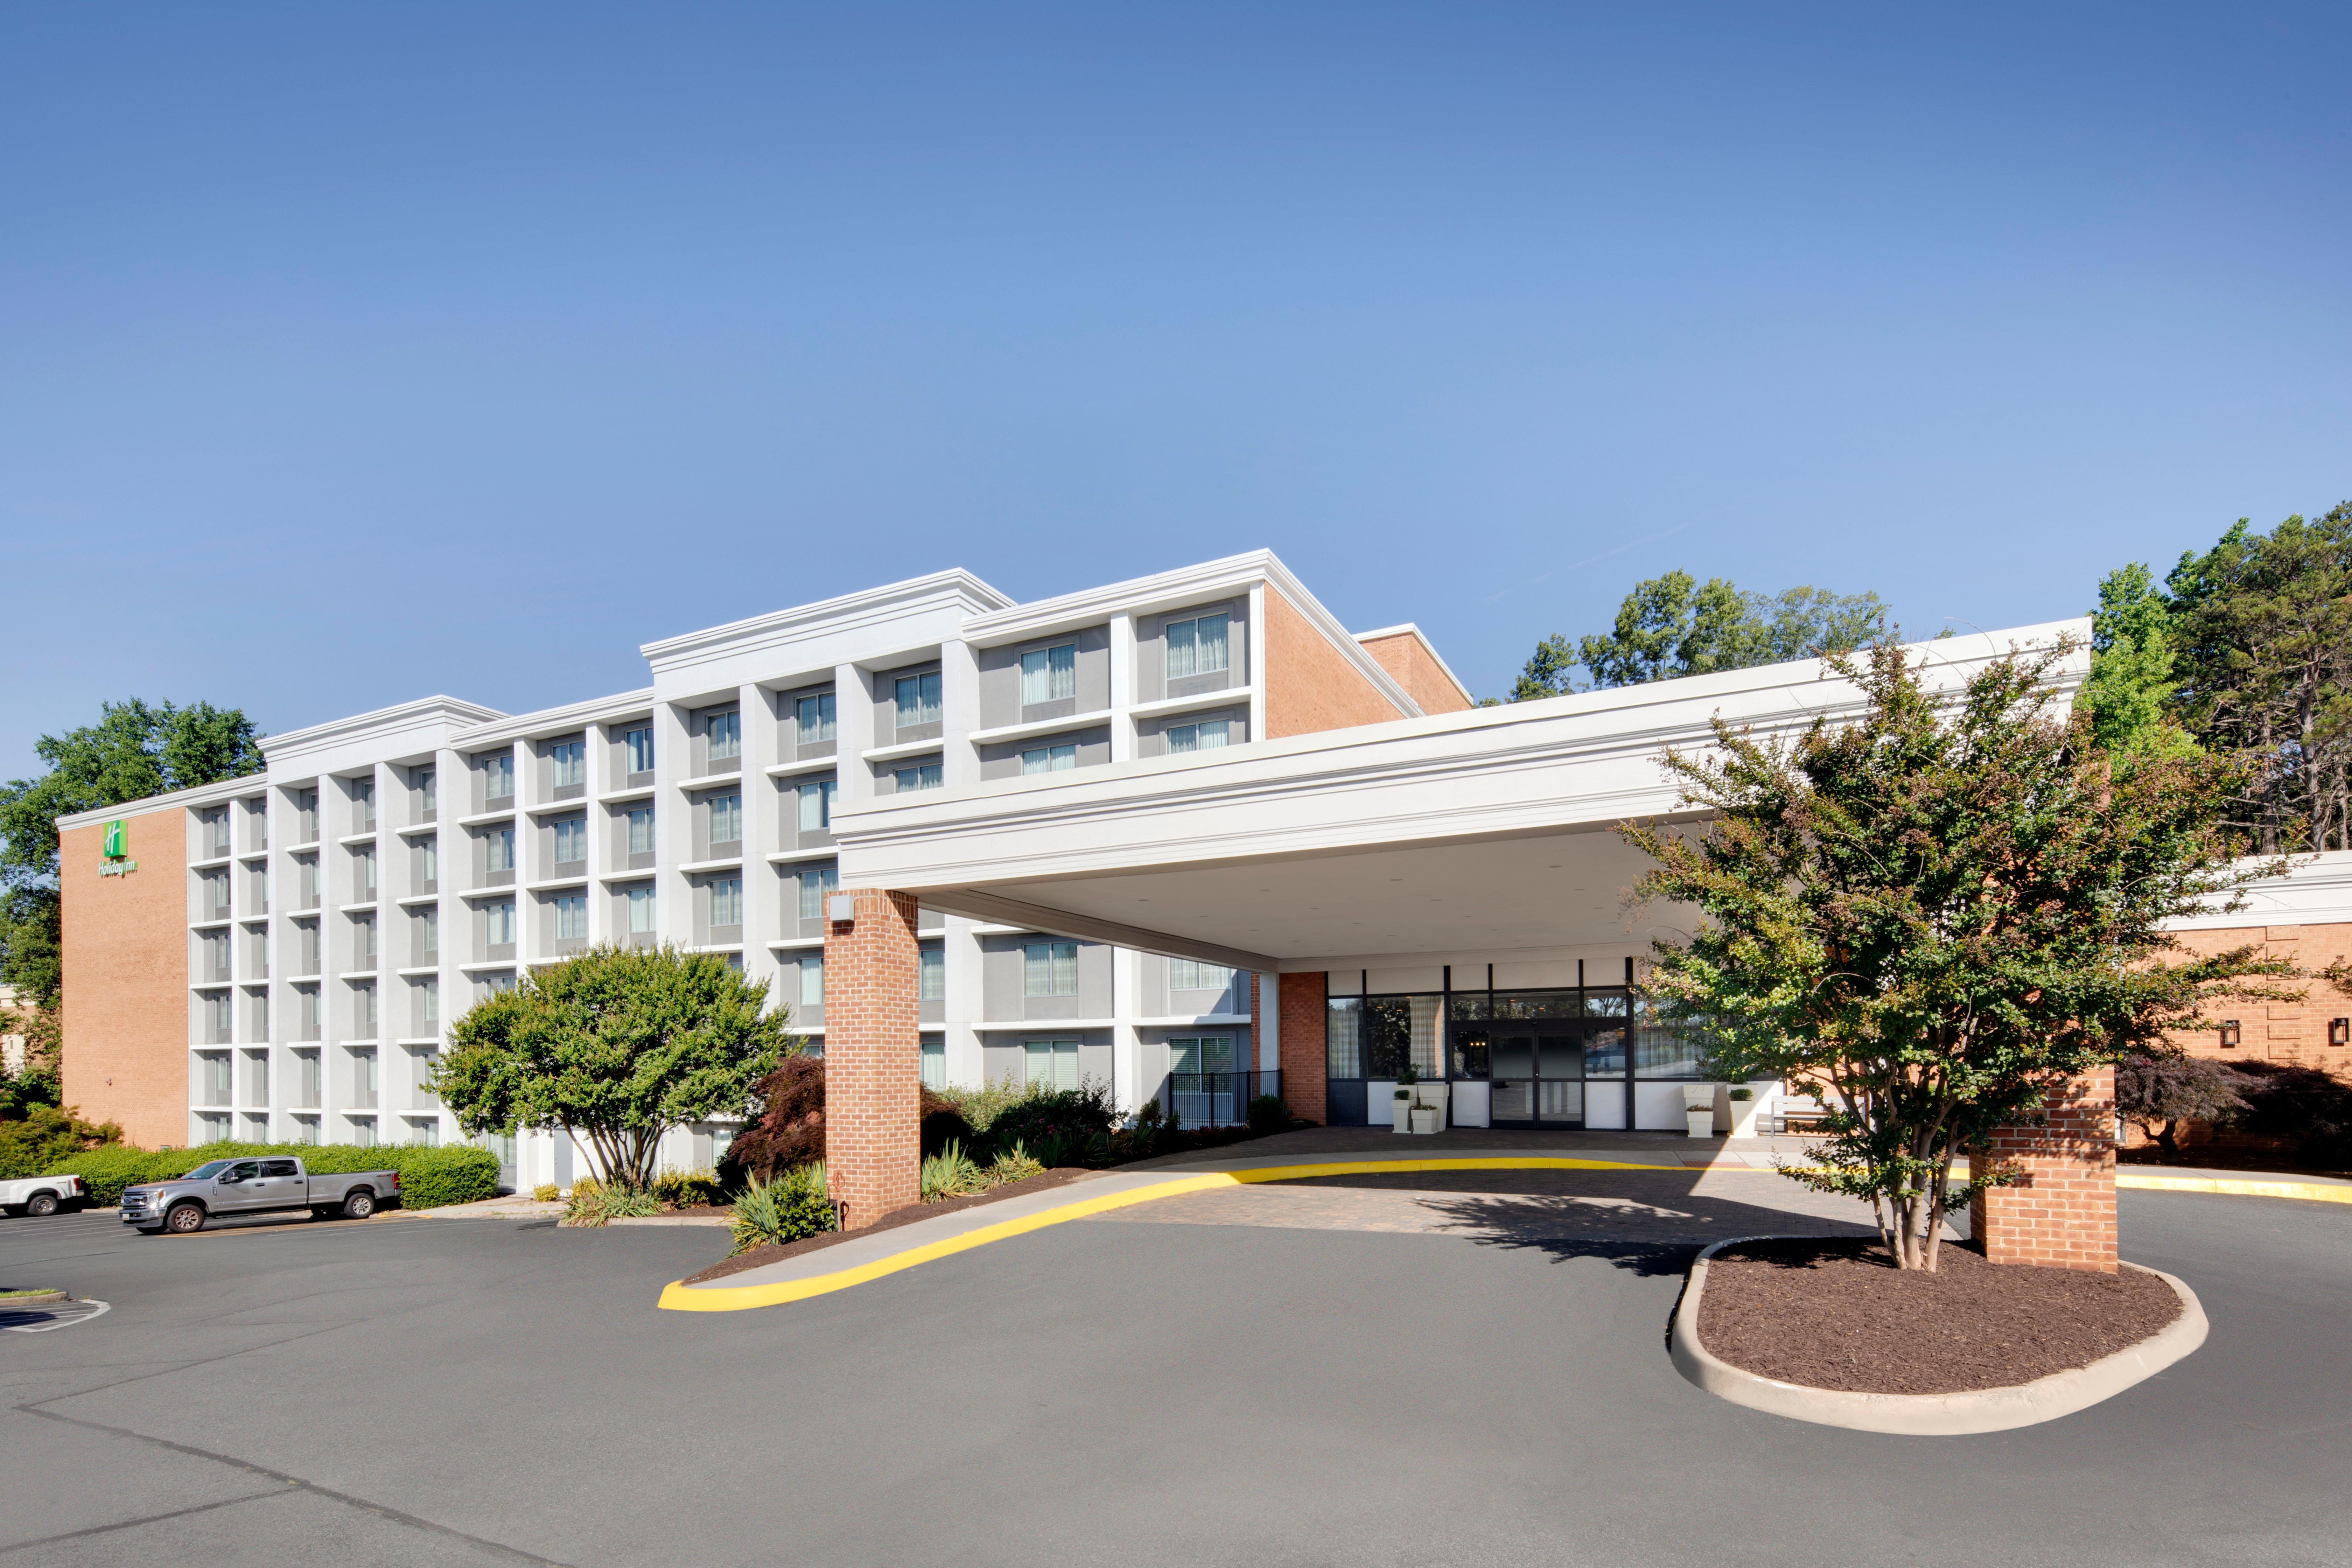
(1546, 1072)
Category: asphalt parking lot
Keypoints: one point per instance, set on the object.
(483, 1392)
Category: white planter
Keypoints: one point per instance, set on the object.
(1426, 1118)
(1401, 1108)
(1702, 1123)
(1743, 1115)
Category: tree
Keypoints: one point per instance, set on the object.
(2262, 628)
(1675, 626)
(617, 1047)
(2132, 685)
(2160, 1090)
(135, 750)
(36, 1082)
(1939, 911)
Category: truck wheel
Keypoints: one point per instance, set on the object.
(358, 1204)
(41, 1204)
(185, 1219)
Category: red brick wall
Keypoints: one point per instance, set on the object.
(1309, 684)
(125, 1011)
(1405, 656)
(1301, 1014)
(873, 1058)
(2294, 1034)
(2061, 1215)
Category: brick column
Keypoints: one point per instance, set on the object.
(1300, 1015)
(2061, 1215)
(873, 1056)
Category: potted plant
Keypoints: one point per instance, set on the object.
(1400, 1117)
(1698, 1108)
(1744, 1107)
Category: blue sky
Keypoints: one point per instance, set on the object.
(349, 355)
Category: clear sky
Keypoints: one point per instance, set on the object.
(352, 353)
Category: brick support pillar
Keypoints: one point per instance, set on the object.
(2062, 1214)
(873, 1054)
(1300, 1020)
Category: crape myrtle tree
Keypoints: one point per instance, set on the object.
(1938, 910)
(617, 1047)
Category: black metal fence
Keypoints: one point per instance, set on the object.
(1216, 1098)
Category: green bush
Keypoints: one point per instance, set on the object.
(594, 1204)
(45, 1135)
(1268, 1115)
(794, 1205)
(1065, 1123)
(1013, 1165)
(686, 1189)
(430, 1178)
(951, 1173)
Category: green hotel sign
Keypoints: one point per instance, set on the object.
(117, 849)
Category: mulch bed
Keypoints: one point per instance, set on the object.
(760, 1255)
(1838, 1314)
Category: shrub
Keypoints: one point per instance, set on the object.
(430, 1178)
(2160, 1091)
(790, 1129)
(1072, 1118)
(1268, 1114)
(1013, 1165)
(951, 1173)
(791, 1207)
(546, 1193)
(2304, 1104)
(44, 1135)
(944, 1123)
(981, 1107)
(686, 1189)
(595, 1205)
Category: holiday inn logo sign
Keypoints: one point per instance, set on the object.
(117, 849)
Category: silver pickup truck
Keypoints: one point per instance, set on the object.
(254, 1186)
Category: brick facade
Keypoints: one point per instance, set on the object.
(1300, 1016)
(2063, 1214)
(2291, 1034)
(872, 1057)
(1408, 659)
(126, 1010)
(1309, 684)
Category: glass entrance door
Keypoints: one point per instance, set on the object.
(1538, 1067)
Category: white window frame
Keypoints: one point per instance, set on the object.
(928, 700)
(932, 974)
(1208, 735)
(1049, 674)
(919, 776)
(1061, 1058)
(813, 721)
(1049, 760)
(1049, 969)
(816, 798)
(641, 830)
(644, 909)
(571, 915)
(568, 763)
(640, 745)
(723, 735)
(725, 897)
(812, 980)
(571, 833)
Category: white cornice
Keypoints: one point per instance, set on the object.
(555, 721)
(955, 587)
(423, 714)
(2315, 890)
(177, 800)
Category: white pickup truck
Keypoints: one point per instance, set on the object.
(263, 1185)
(39, 1195)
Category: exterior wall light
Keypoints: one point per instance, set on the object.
(842, 908)
(2229, 1034)
(2340, 1031)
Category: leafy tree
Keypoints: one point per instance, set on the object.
(617, 1047)
(1939, 911)
(2262, 625)
(1675, 626)
(45, 1137)
(2160, 1090)
(135, 750)
(36, 1083)
(2132, 681)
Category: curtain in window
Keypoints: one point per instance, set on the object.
(1051, 1063)
(1424, 1011)
(1196, 646)
(933, 978)
(1051, 969)
(1343, 1049)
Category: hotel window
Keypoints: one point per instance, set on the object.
(429, 933)
(499, 921)
(570, 760)
(216, 1018)
(306, 1073)
(497, 777)
(815, 718)
(640, 743)
(216, 1124)
(571, 915)
(641, 830)
(1049, 759)
(918, 700)
(1050, 969)
(363, 941)
(363, 805)
(1188, 974)
(812, 981)
(571, 840)
(1204, 737)
(816, 805)
(305, 1129)
(306, 816)
(428, 1004)
(641, 910)
(217, 831)
(815, 883)
(261, 1021)
(363, 875)
(309, 995)
(922, 775)
(1050, 1064)
(1189, 1057)
(727, 903)
(725, 819)
(428, 791)
(363, 1018)
(1196, 646)
(363, 1131)
(726, 734)
(931, 979)
(491, 986)
(935, 1063)
(1049, 674)
(430, 861)
(498, 849)
(1343, 1038)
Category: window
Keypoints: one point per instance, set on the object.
(496, 984)
(1051, 969)
(217, 831)
(428, 1004)
(215, 1125)
(498, 849)
(812, 981)
(935, 1062)
(257, 1078)
(571, 915)
(363, 875)
(429, 863)
(428, 932)
(497, 777)
(309, 995)
(1343, 1038)
(363, 1018)
(1049, 674)
(816, 805)
(815, 716)
(217, 1017)
(918, 700)
(727, 903)
(1188, 974)
(641, 830)
(364, 1077)
(217, 884)
(305, 1129)
(932, 982)
(571, 840)
(363, 805)
(922, 775)
(1204, 737)
(215, 954)
(726, 734)
(815, 883)
(306, 815)
(725, 819)
(1051, 1064)
(1196, 646)
(216, 1071)
(641, 910)
(428, 791)
(1049, 759)
(1192, 1056)
(306, 1066)
(261, 1016)
(499, 918)
(568, 759)
(363, 1131)
(640, 743)
(363, 941)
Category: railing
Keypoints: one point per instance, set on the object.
(1216, 1098)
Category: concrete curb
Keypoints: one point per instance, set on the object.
(1932, 1415)
(2308, 1192)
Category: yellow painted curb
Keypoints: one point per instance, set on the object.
(679, 1297)
(2312, 1192)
